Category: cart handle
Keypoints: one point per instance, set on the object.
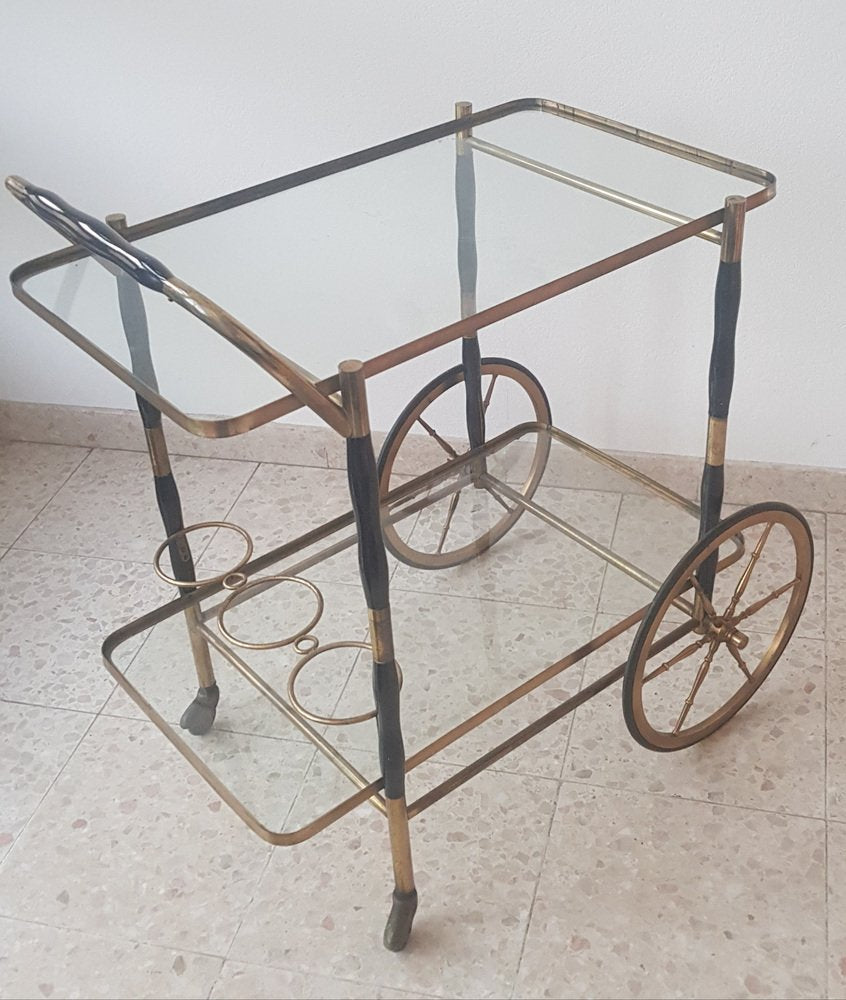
(94, 235)
(100, 240)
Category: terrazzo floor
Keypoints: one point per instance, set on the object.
(579, 866)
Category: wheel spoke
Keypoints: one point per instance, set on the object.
(738, 659)
(433, 433)
(487, 400)
(453, 503)
(497, 497)
(753, 609)
(683, 655)
(743, 582)
(701, 674)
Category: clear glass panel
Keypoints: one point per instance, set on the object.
(362, 261)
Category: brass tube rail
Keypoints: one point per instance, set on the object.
(590, 187)
(603, 458)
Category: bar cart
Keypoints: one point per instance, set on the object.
(439, 497)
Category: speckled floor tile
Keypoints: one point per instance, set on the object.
(256, 982)
(570, 468)
(281, 503)
(265, 774)
(35, 744)
(654, 536)
(458, 655)
(806, 487)
(39, 961)
(836, 565)
(163, 671)
(770, 756)
(108, 507)
(321, 906)
(31, 474)
(836, 730)
(295, 444)
(532, 564)
(641, 896)
(58, 611)
(130, 843)
(837, 911)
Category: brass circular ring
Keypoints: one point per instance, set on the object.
(160, 573)
(306, 643)
(276, 643)
(327, 720)
(234, 580)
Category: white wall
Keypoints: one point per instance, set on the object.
(144, 108)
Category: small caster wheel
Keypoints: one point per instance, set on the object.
(198, 717)
(398, 927)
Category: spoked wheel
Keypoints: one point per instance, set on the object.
(469, 518)
(696, 684)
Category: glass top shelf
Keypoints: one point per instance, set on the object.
(364, 260)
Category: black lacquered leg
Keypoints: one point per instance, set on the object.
(373, 567)
(465, 209)
(198, 717)
(721, 378)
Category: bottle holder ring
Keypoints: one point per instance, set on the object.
(316, 650)
(182, 536)
(236, 582)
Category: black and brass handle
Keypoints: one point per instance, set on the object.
(93, 234)
(104, 243)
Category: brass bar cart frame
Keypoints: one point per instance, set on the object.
(341, 402)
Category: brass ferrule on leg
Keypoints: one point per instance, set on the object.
(354, 396)
(199, 647)
(462, 110)
(157, 447)
(715, 450)
(400, 844)
(381, 634)
(117, 220)
(734, 218)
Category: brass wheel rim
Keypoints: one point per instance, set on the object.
(797, 585)
(452, 557)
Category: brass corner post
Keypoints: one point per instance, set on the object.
(363, 482)
(734, 220)
(199, 715)
(720, 380)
